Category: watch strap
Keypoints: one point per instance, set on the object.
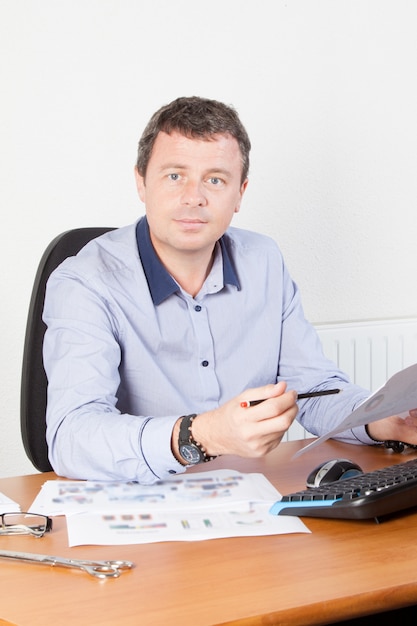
(186, 436)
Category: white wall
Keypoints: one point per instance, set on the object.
(326, 88)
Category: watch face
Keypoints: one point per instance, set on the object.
(191, 454)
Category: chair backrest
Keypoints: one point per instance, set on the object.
(33, 392)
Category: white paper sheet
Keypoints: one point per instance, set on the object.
(396, 397)
(184, 491)
(7, 505)
(135, 527)
(206, 505)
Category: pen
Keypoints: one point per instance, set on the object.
(300, 396)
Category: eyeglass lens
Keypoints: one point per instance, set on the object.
(24, 523)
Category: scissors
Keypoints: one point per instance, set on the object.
(99, 569)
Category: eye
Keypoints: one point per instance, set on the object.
(214, 180)
(174, 176)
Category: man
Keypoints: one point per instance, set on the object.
(159, 331)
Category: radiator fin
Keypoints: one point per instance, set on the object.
(369, 352)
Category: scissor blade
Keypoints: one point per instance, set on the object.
(30, 557)
(27, 556)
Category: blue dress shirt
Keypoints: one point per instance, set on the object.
(127, 351)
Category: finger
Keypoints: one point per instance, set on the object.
(273, 416)
(272, 429)
(411, 420)
(253, 397)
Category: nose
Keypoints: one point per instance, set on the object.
(193, 194)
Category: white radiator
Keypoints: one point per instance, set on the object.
(369, 352)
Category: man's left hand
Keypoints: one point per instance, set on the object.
(395, 428)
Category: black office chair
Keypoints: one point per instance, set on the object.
(34, 382)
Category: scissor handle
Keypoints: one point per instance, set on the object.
(99, 569)
(102, 571)
(122, 565)
(105, 569)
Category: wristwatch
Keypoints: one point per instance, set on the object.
(190, 450)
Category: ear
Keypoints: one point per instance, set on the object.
(140, 185)
(241, 192)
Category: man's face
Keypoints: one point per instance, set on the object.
(191, 190)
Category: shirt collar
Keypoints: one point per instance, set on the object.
(160, 282)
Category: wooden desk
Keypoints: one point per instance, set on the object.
(342, 570)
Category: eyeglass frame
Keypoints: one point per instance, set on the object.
(24, 529)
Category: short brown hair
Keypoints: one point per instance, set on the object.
(196, 118)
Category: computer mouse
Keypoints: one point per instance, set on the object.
(330, 471)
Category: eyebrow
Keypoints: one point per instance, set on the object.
(211, 170)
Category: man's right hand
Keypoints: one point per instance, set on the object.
(250, 431)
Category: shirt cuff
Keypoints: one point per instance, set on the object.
(155, 445)
(361, 434)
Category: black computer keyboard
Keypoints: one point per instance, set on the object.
(372, 494)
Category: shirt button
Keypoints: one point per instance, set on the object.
(197, 308)
(204, 363)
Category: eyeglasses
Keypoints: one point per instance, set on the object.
(24, 524)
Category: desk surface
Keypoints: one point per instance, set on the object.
(341, 570)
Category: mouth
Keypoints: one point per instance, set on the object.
(190, 223)
(190, 220)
